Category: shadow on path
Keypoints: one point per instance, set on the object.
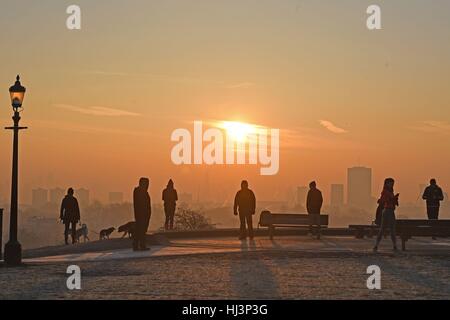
(251, 276)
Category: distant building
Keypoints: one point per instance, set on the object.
(56, 195)
(39, 197)
(359, 187)
(115, 197)
(302, 191)
(337, 195)
(83, 197)
(185, 198)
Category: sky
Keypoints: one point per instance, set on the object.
(102, 101)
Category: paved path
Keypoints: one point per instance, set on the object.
(287, 268)
(306, 245)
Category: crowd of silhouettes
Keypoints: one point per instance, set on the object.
(245, 208)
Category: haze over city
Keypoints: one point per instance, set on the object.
(102, 102)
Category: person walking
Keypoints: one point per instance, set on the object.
(245, 206)
(170, 198)
(389, 201)
(70, 215)
(142, 214)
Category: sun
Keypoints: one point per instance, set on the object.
(238, 131)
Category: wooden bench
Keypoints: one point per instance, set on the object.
(408, 228)
(275, 220)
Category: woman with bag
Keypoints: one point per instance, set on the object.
(389, 202)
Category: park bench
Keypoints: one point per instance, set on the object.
(313, 222)
(408, 228)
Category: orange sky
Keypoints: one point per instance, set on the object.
(102, 102)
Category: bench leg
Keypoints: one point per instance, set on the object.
(359, 234)
(271, 232)
(404, 243)
(318, 232)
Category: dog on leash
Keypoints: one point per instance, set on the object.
(127, 229)
(105, 233)
(82, 232)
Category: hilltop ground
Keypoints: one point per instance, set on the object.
(290, 267)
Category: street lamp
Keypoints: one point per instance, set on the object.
(13, 249)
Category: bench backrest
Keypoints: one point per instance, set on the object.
(407, 223)
(268, 218)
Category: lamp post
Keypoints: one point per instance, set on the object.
(13, 249)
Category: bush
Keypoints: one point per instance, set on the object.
(187, 219)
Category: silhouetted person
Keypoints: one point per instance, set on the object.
(70, 215)
(245, 206)
(389, 201)
(314, 199)
(378, 213)
(142, 213)
(433, 196)
(170, 198)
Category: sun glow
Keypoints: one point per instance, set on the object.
(238, 131)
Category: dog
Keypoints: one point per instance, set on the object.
(127, 229)
(82, 232)
(105, 233)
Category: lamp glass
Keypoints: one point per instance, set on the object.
(17, 97)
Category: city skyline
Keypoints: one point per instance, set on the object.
(106, 98)
(336, 194)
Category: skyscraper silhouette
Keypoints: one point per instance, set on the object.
(337, 195)
(359, 187)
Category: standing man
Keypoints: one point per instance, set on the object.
(245, 206)
(142, 213)
(314, 199)
(314, 202)
(433, 196)
(70, 215)
(170, 198)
